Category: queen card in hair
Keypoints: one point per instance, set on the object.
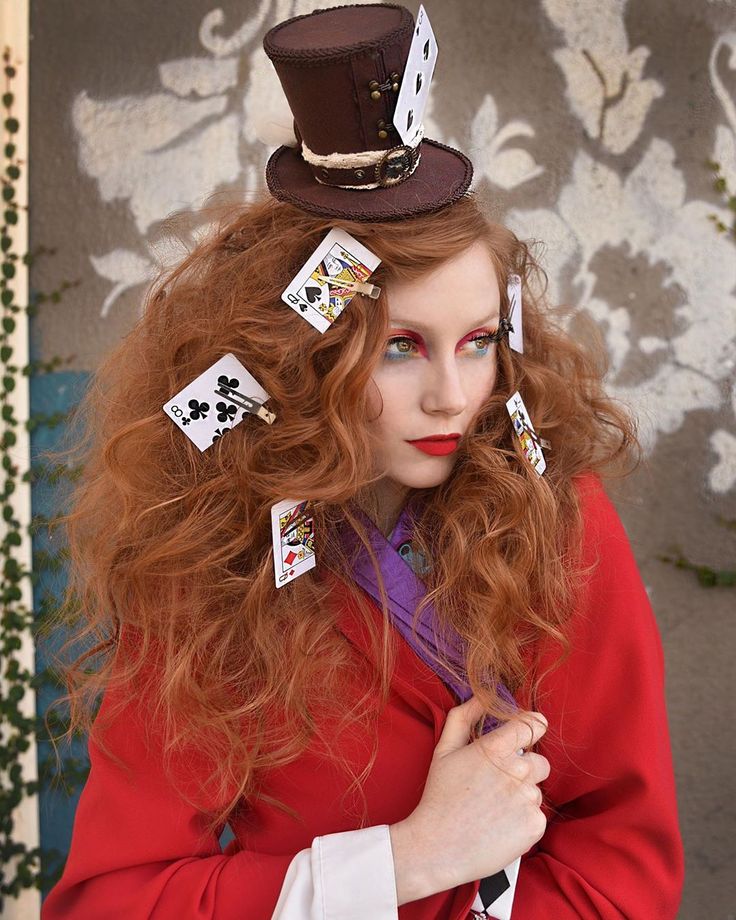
(330, 278)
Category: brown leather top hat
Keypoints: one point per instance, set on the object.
(341, 70)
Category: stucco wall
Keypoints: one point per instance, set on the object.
(589, 123)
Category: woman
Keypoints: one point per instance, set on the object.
(324, 720)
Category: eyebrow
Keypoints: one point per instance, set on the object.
(420, 327)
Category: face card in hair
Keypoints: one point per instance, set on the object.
(292, 532)
(414, 89)
(322, 288)
(217, 401)
(531, 443)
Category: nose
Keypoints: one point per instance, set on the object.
(444, 393)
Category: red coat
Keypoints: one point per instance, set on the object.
(611, 851)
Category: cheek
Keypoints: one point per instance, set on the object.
(480, 383)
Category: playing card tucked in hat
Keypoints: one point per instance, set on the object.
(357, 81)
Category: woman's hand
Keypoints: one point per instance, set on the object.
(480, 808)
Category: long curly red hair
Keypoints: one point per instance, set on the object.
(171, 589)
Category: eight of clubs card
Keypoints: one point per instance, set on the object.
(316, 293)
(292, 531)
(217, 401)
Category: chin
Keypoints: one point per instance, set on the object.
(424, 475)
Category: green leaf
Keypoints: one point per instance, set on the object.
(12, 125)
(11, 217)
(7, 297)
(7, 100)
(8, 193)
(5, 352)
(9, 151)
(13, 172)
(8, 324)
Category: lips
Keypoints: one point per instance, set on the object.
(437, 445)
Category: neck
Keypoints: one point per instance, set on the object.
(383, 503)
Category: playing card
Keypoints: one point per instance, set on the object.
(414, 89)
(530, 441)
(216, 401)
(316, 293)
(496, 893)
(516, 335)
(292, 530)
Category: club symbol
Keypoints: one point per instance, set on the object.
(198, 409)
(232, 383)
(219, 432)
(225, 413)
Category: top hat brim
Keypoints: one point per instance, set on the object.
(442, 176)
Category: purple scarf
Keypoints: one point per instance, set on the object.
(399, 565)
(404, 590)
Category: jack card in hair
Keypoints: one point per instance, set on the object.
(217, 401)
(292, 532)
(414, 89)
(531, 443)
(323, 287)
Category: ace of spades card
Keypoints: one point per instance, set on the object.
(217, 401)
(292, 532)
(339, 258)
(530, 441)
(418, 71)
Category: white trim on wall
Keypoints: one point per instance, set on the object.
(14, 33)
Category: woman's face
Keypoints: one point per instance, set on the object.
(437, 370)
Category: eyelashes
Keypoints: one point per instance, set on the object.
(403, 347)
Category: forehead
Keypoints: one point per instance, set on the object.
(459, 290)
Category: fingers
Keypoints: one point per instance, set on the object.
(531, 768)
(458, 725)
(518, 733)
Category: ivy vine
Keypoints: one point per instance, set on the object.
(23, 867)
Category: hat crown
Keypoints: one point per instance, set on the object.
(342, 91)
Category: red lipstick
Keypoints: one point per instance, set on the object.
(437, 445)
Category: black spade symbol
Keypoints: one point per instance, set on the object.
(409, 119)
(303, 307)
(419, 82)
(312, 293)
(425, 50)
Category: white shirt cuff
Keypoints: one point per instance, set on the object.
(345, 876)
